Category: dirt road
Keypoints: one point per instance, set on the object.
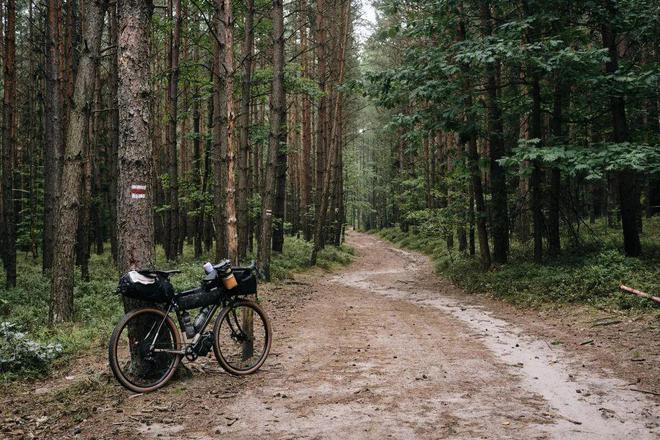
(383, 349)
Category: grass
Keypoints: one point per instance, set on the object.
(98, 308)
(588, 273)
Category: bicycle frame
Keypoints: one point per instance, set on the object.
(173, 306)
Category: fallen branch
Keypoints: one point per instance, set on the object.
(603, 323)
(644, 391)
(639, 293)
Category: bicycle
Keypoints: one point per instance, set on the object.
(146, 345)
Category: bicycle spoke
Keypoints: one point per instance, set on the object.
(145, 350)
(242, 339)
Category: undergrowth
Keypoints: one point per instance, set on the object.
(587, 273)
(24, 309)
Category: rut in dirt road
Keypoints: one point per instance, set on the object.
(385, 351)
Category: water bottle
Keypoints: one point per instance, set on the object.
(187, 325)
(199, 321)
(208, 267)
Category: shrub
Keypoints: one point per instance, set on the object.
(590, 273)
(19, 354)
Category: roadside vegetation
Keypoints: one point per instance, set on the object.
(587, 273)
(29, 347)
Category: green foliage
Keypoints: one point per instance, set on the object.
(588, 275)
(295, 258)
(20, 354)
(593, 162)
(98, 307)
(425, 70)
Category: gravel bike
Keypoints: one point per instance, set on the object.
(146, 345)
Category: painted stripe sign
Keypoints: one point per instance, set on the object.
(138, 191)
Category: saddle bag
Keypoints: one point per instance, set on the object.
(146, 286)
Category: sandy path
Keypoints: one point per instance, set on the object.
(385, 349)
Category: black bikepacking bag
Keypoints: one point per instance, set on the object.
(200, 297)
(247, 282)
(146, 286)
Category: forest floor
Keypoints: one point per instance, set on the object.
(381, 349)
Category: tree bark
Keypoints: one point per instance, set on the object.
(207, 185)
(77, 136)
(219, 152)
(628, 184)
(500, 214)
(244, 139)
(135, 221)
(229, 148)
(277, 104)
(279, 211)
(9, 145)
(172, 241)
(322, 112)
(535, 131)
(554, 237)
(114, 132)
(335, 141)
(198, 235)
(473, 165)
(53, 132)
(307, 169)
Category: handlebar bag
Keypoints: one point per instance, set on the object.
(247, 282)
(149, 287)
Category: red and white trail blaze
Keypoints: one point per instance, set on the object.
(138, 191)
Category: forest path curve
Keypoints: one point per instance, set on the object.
(382, 349)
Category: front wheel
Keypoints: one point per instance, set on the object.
(242, 337)
(143, 350)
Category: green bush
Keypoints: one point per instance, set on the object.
(98, 307)
(589, 273)
(20, 354)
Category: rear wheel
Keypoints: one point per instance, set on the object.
(242, 337)
(142, 350)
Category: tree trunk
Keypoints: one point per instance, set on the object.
(473, 166)
(628, 184)
(277, 104)
(61, 307)
(554, 238)
(500, 215)
(53, 131)
(461, 231)
(322, 112)
(244, 140)
(85, 204)
(9, 145)
(219, 153)
(114, 132)
(279, 210)
(207, 221)
(135, 221)
(197, 166)
(306, 187)
(229, 148)
(535, 131)
(335, 141)
(172, 240)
